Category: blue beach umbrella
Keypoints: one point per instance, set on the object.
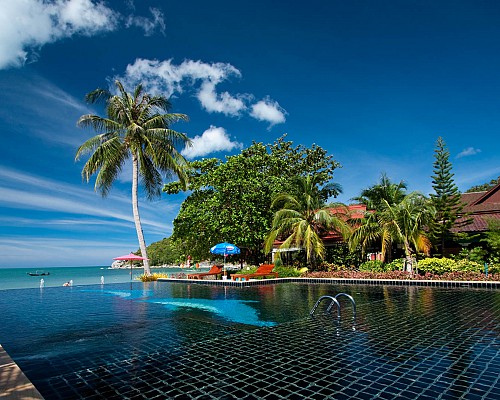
(226, 249)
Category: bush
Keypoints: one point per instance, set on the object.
(441, 266)
(494, 268)
(372, 266)
(327, 267)
(395, 265)
(287, 272)
(153, 277)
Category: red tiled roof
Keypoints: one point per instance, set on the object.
(480, 206)
(479, 223)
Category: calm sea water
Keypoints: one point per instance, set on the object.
(18, 278)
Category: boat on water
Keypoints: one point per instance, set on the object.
(38, 273)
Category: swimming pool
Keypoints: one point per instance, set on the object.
(167, 340)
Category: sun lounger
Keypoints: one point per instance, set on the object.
(263, 270)
(215, 270)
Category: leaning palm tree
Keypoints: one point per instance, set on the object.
(402, 222)
(137, 126)
(303, 218)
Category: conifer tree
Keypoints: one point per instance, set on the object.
(446, 199)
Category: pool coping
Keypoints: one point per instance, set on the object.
(348, 281)
(13, 383)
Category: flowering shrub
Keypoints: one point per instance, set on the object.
(444, 265)
(494, 268)
(401, 275)
(152, 277)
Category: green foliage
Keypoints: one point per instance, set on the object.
(166, 251)
(484, 187)
(152, 277)
(329, 267)
(377, 195)
(446, 199)
(342, 256)
(403, 222)
(231, 200)
(492, 240)
(493, 268)
(302, 217)
(440, 266)
(137, 127)
(395, 265)
(476, 254)
(287, 272)
(372, 266)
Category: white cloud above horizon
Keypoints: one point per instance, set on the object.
(73, 200)
(148, 25)
(171, 79)
(268, 110)
(26, 26)
(469, 151)
(214, 139)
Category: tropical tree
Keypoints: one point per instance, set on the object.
(303, 217)
(230, 200)
(484, 186)
(137, 126)
(446, 199)
(374, 196)
(403, 223)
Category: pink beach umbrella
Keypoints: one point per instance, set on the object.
(130, 257)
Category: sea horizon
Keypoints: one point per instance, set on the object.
(20, 278)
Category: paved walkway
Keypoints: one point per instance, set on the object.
(13, 383)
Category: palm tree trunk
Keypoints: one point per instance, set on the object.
(137, 218)
(409, 259)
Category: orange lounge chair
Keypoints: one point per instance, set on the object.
(215, 270)
(263, 270)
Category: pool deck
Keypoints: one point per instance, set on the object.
(13, 383)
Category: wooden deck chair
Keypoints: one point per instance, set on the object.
(215, 270)
(263, 270)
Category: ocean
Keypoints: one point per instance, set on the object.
(19, 278)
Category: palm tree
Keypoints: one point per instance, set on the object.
(373, 196)
(402, 222)
(137, 126)
(302, 218)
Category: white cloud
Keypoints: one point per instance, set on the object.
(72, 199)
(269, 111)
(469, 151)
(148, 25)
(212, 140)
(222, 102)
(28, 25)
(170, 79)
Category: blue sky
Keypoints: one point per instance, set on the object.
(375, 83)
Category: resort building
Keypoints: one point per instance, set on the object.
(480, 207)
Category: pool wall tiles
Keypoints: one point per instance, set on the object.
(380, 282)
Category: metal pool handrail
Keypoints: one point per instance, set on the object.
(336, 302)
(352, 302)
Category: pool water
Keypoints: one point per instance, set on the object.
(176, 340)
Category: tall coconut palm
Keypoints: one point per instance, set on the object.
(402, 222)
(387, 190)
(137, 126)
(302, 218)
